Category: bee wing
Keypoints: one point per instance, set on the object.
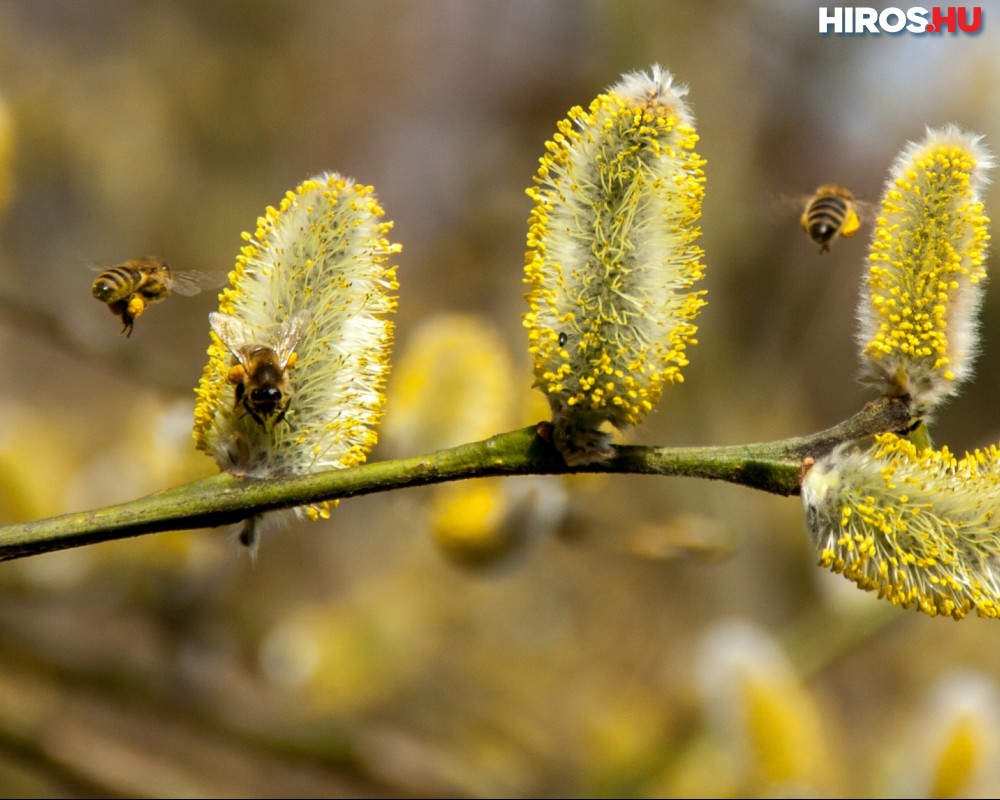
(290, 334)
(234, 333)
(189, 282)
(785, 201)
(780, 206)
(866, 209)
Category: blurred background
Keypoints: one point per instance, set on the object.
(582, 637)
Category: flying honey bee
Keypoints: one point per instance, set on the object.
(260, 371)
(830, 212)
(128, 288)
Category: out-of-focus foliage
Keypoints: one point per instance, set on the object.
(352, 658)
(456, 383)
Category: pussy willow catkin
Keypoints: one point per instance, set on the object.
(921, 528)
(299, 350)
(612, 259)
(926, 270)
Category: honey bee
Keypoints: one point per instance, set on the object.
(128, 288)
(832, 211)
(260, 371)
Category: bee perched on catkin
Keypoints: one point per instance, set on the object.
(926, 270)
(299, 351)
(612, 259)
(920, 527)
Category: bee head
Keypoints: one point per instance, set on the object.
(265, 396)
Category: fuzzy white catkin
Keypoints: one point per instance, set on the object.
(612, 260)
(321, 256)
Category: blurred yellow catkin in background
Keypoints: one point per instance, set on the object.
(6, 155)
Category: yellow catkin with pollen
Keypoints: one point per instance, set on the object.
(762, 717)
(951, 744)
(612, 258)
(920, 528)
(321, 255)
(926, 269)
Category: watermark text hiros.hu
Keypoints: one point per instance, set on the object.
(915, 19)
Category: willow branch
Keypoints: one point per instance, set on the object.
(224, 499)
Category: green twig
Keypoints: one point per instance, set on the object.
(224, 499)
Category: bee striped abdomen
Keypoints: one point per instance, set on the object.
(830, 213)
(117, 283)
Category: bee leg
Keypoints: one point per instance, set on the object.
(120, 309)
(128, 311)
(235, 377)
(249, 536)
(128, 321)
(248, 532)
(256, 417)
(136, 305)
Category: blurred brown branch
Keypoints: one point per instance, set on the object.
(26, 317)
